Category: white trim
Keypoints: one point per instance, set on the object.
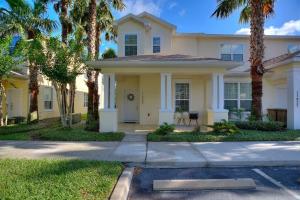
(238, 92)
(137, 42)
(156, 36)
(190, 91)
(52, 89)
(232, 43)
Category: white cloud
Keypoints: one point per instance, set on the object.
(182, 12)
(172, 5)
(288, 28)
(139, 6)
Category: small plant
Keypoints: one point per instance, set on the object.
(165, 129)
(197, 129)
(260, 125)
(224, 127)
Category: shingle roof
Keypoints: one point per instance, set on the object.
(281, 58)
(173, 57)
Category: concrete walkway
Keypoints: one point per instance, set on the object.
(163, 154)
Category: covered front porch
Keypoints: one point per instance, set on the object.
(150, 93)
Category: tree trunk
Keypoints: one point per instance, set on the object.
(63, 21)
(257, 55)
(33, 115)
(96, 89)
(91, 123)
(1, 106)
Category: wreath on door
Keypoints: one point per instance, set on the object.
(130, 97)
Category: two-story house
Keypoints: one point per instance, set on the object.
(159, 72)
(17, 100)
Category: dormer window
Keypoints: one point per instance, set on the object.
(156, 44)
(130, 45)
(232, 52)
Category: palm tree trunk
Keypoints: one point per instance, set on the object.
(63, 20)
(1, 105)
(257, 55)
(96, 89)
(33, 115)
(91, 123)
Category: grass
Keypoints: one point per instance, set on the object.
(52, 131)
(245, 135)
(57, 179)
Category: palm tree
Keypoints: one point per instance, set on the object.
(109, 53)
(23, 18)
(254, 11)
(94, 30)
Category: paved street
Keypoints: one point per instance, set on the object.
(161, 154)
(288, 188)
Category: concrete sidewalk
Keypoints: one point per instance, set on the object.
(161, 154)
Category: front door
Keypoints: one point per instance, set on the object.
(131, 108)
(14, 102)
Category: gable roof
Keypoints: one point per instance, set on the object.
(139, 18)
(156, 19)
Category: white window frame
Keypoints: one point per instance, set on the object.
(238, 92)
(174, 92)
(156, 45)
(231, 53)
(85, 103)
(137, 42)
(52, 89)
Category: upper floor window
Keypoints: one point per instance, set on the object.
(156, 44)
(293, 48)
(232, 52)
(237, 96)
(130, 45)
(48, 98)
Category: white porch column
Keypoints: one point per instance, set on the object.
(166, 111)
(109, 114)
(217, 112)
(293, 101)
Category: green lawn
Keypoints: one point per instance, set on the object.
(52, 131)
(57, 179)
(245, 135)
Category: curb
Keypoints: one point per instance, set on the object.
(121, 190)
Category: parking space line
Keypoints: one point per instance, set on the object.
(277, 183)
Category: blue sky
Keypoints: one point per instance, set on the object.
(194, 16)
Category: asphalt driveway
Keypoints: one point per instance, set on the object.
(288, 188)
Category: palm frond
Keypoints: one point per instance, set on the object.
(226, 7)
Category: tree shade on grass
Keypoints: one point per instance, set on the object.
(57, 179)
(54, 132)
(244, 135)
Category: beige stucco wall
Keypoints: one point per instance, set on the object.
(149, 91)
(123, 83)
(144, 37)
(201, 46)
(81, 88)
(13, 83)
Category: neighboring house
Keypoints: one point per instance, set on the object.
(18, 96)
(160, 71)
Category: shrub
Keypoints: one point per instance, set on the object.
(260, 125)
(224, 127)
(164, 129)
